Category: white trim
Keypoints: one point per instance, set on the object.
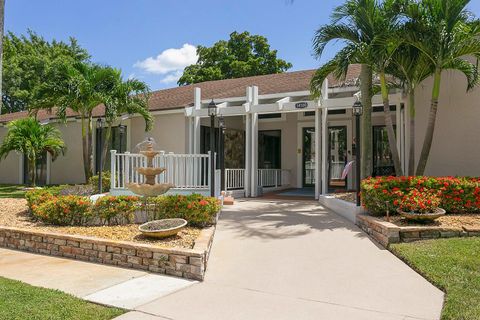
(20, 169)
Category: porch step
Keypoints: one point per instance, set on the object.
(228, 201)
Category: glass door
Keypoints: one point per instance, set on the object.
(308, 157)
(382, 156)
(337, 157)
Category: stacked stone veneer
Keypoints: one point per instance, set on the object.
(386, 232)
(186, 263)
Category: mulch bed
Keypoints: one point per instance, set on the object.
(346, 196)
(451, 221)
(14, 213)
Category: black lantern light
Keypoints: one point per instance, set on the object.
(212, 112)
(357, 110)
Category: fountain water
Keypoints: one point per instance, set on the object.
(149, 188)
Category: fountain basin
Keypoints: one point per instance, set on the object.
(148, 190)
(147, 171)
(162, 228)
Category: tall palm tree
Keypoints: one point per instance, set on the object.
(445, 33)
(127, 97)
(2, 25)
(80, 87)
(32, 139)
(369, 31)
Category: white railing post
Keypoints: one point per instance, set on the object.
(112, 168)
(126, 169)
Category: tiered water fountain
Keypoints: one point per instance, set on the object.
(150, 188)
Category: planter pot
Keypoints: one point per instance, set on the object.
(425, 217)
(162, 228)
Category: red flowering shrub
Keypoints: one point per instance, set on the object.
(457, 194)
(116, 209)
(66, 210)
(419, 201)
(196, 209)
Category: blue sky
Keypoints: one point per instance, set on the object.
(152, 39)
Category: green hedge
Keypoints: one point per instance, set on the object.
(457, 194)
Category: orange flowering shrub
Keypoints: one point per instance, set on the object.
(419, 201)
(196, 209)
(456, 194)
(66, 210)
(116, 209)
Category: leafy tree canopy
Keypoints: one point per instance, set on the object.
(243, 55)
(28, 60)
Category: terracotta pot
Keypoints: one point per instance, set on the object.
(412, 216)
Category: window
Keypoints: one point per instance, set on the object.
(270, 116)
(380, 108)
(118, 141)
(382, 156)
(330, 112)
(269, 149)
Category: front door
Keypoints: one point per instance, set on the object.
(337, 157)
(308, 157)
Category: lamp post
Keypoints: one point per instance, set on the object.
(212, 112)
(357, 112)
(221, 150)
(100, 122)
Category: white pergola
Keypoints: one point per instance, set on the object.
(251, 106)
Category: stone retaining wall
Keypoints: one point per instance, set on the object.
(186, 263)
(386, 232)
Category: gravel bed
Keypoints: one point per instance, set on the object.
(13, 213)
(455, 221)
(346, 196)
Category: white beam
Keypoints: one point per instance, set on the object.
(254, 155)
(197, 103)
(248, 146)
(324, 126)
(318, 158)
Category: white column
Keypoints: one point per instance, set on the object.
(197, 103)
(318, 158)
(254, 136)
(248, 145)
(324, 137)
(400, 132)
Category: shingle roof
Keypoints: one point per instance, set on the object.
(179, 97)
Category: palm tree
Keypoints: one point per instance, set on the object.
(445, 34)
(369, 31)
(80, 87)
(127, 97)
(2, 25)
(411, 67)
(32, 139)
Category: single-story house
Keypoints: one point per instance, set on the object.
(276, 134)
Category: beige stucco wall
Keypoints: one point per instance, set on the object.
(68, 169)
(170, 132)
(9, 167)
(456, 143)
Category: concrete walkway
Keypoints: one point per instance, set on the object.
(296, 260)
(271, 259)
(124, 288)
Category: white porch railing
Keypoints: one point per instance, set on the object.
(235, 178)
(185, 171)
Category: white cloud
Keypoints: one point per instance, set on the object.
(172, 77)
(169, 61)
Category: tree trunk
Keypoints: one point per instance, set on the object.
(33, 172)
(106, 143)
(411, 153)
(392, 141)
(90, 146)
(366, 76)
(2, 23)
(86, 165)
(432, 117)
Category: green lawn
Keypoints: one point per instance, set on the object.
(20, 301)
(453, 265)
(11, 191)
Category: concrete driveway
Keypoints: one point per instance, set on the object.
(296, 260)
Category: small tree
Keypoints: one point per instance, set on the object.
(243, 55)
(32, 139)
